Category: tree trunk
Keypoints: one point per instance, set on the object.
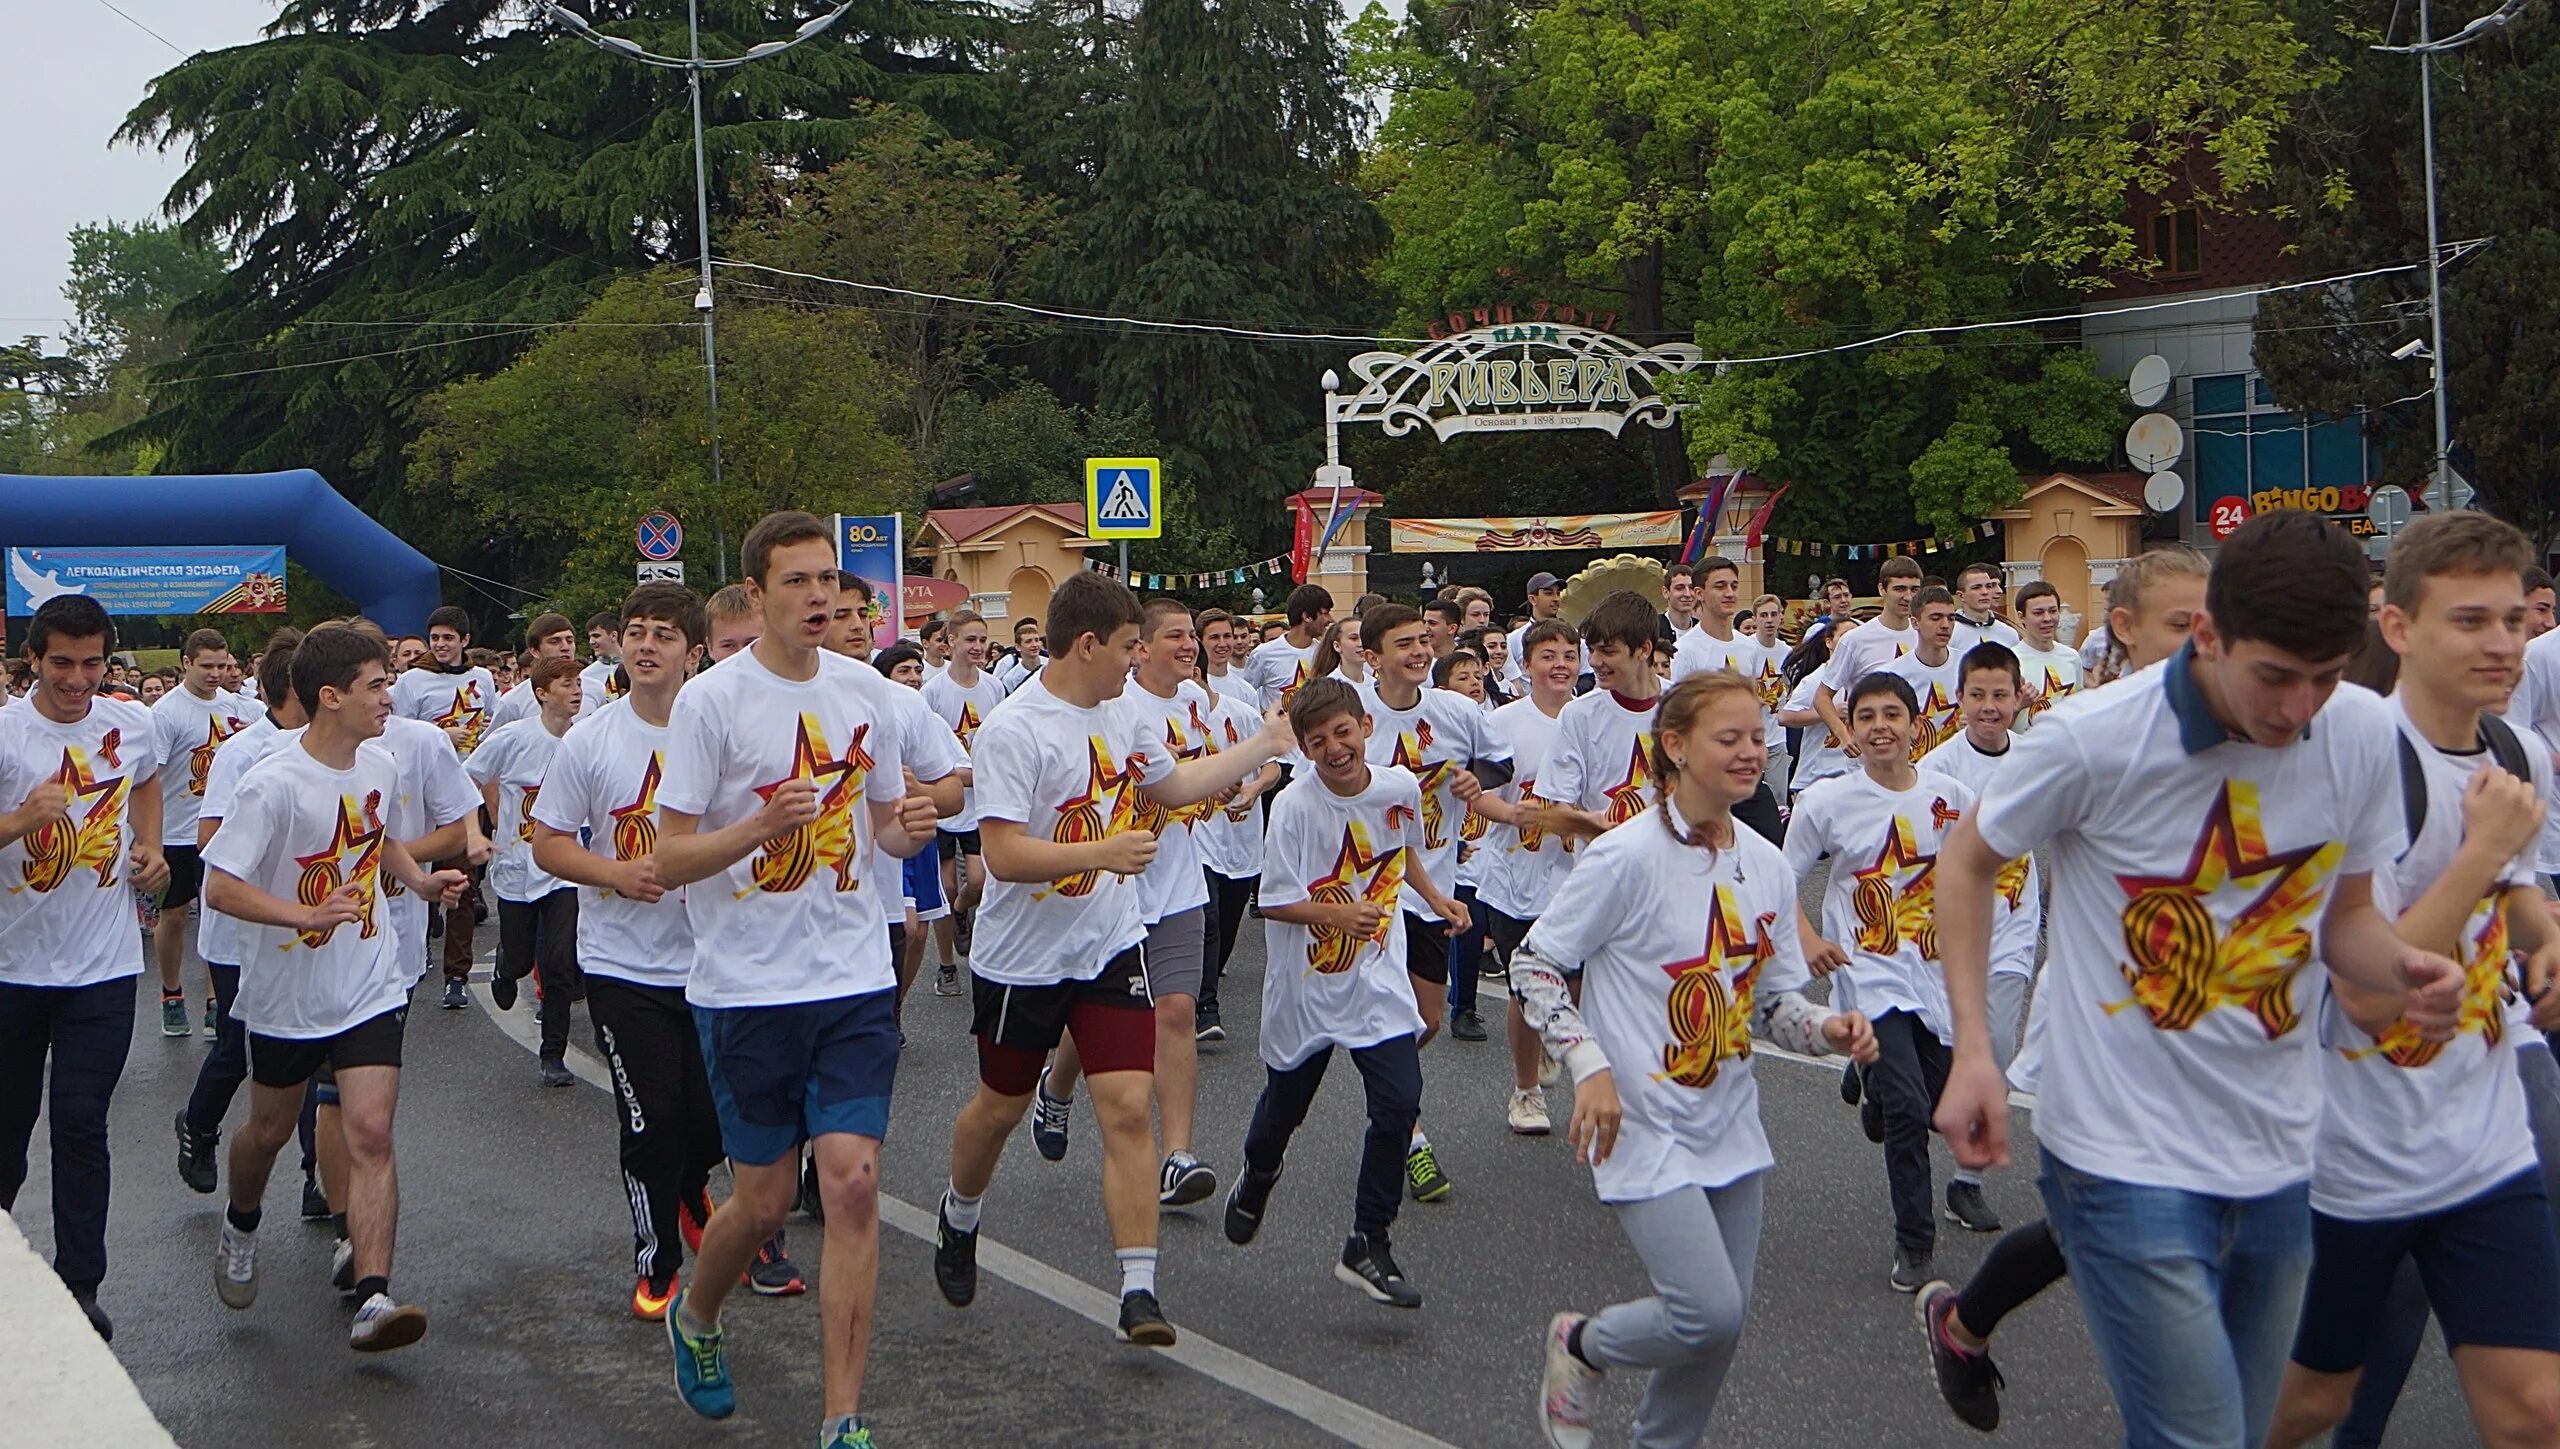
(1669, 445)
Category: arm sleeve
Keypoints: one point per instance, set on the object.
(2047, 788)
(1286, 872)
(450, 795)
(692, 772)
(567, 793)
(1144, 747)
(933, 751)
(1538, 984)
(2368, 750)
(248, 832)
(1007, 770)
(1808, 831)
(1488, 746)
(487, 765)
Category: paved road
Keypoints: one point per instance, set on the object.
(515, 1236)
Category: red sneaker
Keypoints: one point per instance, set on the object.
(649, 1301)
(772, 1273)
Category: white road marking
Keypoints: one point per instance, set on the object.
(1291, 1395)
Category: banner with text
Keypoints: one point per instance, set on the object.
(1516, 535)
(151, 580)
(874, 550)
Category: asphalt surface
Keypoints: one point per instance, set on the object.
(515, 1236)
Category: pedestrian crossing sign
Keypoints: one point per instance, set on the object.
(1124, 498)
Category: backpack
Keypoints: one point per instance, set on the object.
(2505, 751)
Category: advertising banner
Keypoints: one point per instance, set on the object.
(151, 580)
(874, 550)
(1516, 535)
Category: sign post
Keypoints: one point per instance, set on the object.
(874, 550)
(1124, 499)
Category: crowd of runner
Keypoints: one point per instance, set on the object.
(2251, 891)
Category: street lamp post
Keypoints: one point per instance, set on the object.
(694, 65)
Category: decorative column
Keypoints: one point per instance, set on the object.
(1344, 569)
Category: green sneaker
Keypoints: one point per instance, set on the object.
(173, 1015)
(702, 1369)
(848, 1432)
(1422, 1175)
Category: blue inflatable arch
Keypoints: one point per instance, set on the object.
(395, 585)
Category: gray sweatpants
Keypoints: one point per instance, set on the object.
(1700, 1247)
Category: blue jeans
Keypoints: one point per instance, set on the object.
(2191, 1300)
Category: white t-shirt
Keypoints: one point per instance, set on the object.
(1676, 943)
(185, 731)
(66, 908)
(1324, 987)
(595, 686)
(2187, 895)
(517, 703)
(1179, 728)
(434, 791)
(1882, 903)
(2536, 707)
(1277, 667)
(603, 788)
(962, 710)
(1442, 734)
(1518, 869)
(1230, 837)
(1769, 679)
(1702, 653)
(220, 939)
(1064, 772)
(1941, 695)
(2093, 650)
(1818, 752)
(1863, 650)
(1233, 685)
(515, 757)
(465, 700)
(795, 919)
(2408, 1126)
(1602, 757)
(299, 830)
(1969, 633)
(2017, 905)
(2050, 676)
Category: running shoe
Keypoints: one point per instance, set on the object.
(1853, 1083)
(342, 1266)
(1493, 969)
(1185, 1181)
(196, 1167)
(173, 1015)
(1871, 1118)
(502, 990)
(772, 1274)
(702, 1368)
(1910, 1270)
(315, 1203)
(955, 1258)
(853, 1434)
(1205, 1026)
(1466, 1026)
(1528, 1114)
(212, 1018)
(649, 1299)
(1422, 1175)
(1142, 1321)
(556, 1073)
(964, 933)
(689, 1223)
(1564, 1393)
(1550, 1071)
(104, 1326)
(946, 979)
(1967, 1378)
(1967, 1209)
(235, 1266)
(1049, 1121)
(455, 998)
(1245, 1203)
(1368, 1266)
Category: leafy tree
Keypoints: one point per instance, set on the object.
(56, 408)
(549, 463)
(127, 282)
(2349, 175)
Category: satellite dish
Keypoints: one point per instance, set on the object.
(2149, 381)
(2154, 442)
(2163, 490)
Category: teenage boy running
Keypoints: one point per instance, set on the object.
(457, 697)
(1223, 646)
(1934, 669)
(1278, 666)
(1716, 644)
(1978, 621)
(596, 826)
(1521, 862)
(2050, 670)
(596, 687)
(537, 912)
(1338, 861)
(962, 695)
(84, 833)
(1061, 776)
(2212, 820)
(549, 636)
(1599, 772)
(1231, 849)
(1871, 645)
(188, 724)
(304, 858)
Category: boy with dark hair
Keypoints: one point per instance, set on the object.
(1977, 598)
(459, 697)
(1871, 645)
(2212, 820)
(601, 682)
(1599, 772)
(1277, 667)
(1062, 777)
(1341, 854)
(537, 913)
(2048, 670)
(1679, 604)
(83, 833)
(1026, 658)
(188, 724)
(1440, 622)
(301, 859)
(2538, 602)
(1715, 644)
(1934, 669)
(961, 695)
(1522, 862)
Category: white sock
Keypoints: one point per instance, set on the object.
(691, 1326)
(961, 1211)
(1964, 1179)
(1137, 1270)
(1419, 1141)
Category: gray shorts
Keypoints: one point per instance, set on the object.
(1177, 952)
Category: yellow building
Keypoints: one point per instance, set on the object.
(2074, 530)
(1008, 558)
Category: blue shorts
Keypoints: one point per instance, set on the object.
(781, 1075)
(923, 883)
(2490, 1265)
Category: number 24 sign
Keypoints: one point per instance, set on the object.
(2227, 516)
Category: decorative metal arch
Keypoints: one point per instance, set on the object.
(1519, 376)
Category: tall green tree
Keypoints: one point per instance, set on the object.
(59, 408)
(2349, 176)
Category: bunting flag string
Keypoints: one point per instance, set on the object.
(1213, 579)
(1903, 548)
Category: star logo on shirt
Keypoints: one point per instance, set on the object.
(217, 728)
(1895, 899)
(785, 863)
(1939, 721)
(1289, 691)
(524, 814)
(90, 831)
(1629, 797)
(1241, 812)
(1435, 814)
(1359, 874)
(2185, 963)
(353, 857)
(967, 725)
(1710, 1020)
(2486, 990)
(1770, 684)
(1104, 809)
(2011, 882)
(635, 826)
(464, 713)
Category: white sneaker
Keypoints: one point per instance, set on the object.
(1549, 1069)
(382, 1324)
(342, 1266)
(1564, 1394)
(1529, 1112)
(235, 1266)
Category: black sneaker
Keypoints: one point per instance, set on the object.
(1049, 1116)
(1910, 1270)
(1245, 1202)
(502, 990)
(1368, 1266)
(1206, 1027)
(1967, 1209)
(556, 1073)
(196, 1166)
(946, 979)
(1969, 1381)
(1853, 1083)
(1493, 969)
(1142, 1321)
(773, 1274)
(315, 1203)
(955, 1259)
(87, 1298)
(455, 998)
(1871, 1118)
(1466, 1026)
(1184, 1181)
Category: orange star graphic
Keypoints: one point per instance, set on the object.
(90, 831)
(2486, 989)
(1632, 794)
(1710, 1020)
(353, 857)
(785, 863)
(465, 713)
(1895, 898)
(217, 728)
(2185, 963)
(1941, 719)
(967, 728)
(1358, 874)
(1408, 755)
(635, 826)
(1103, 810)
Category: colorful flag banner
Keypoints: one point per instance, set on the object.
(1659, 529)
